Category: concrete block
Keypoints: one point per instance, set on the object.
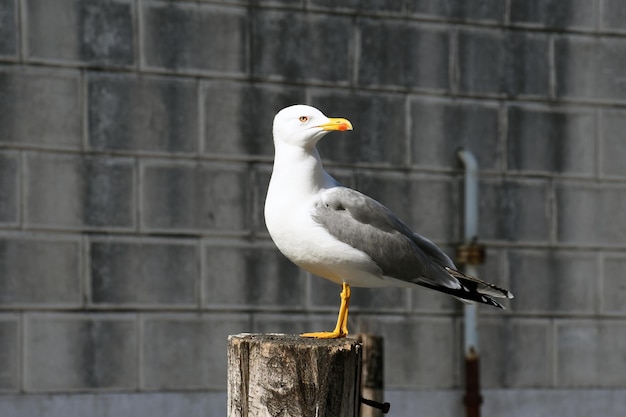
(515, 353)
(402, 54)
(325, 294)
(439, 127)
(189, 37)
(10, 357)
(144, 273)
(290, 323)
(194, 198)
(590, 68)
(482, 10)
(260, 184)
(553, 282)
(53, 281)
(589, 355)
(75, 352)
(571, 14)
(66, 191)
(589, 214)
(379, 128)
(292, 4)
(504, 63)
(142, 113)
(612, 144)
(368, 6)
(92, 32)
(9, 188)
(8, 28)
(238, 117)
(426, 402)
(612, 16)
(182, 352)
(424, 300)
(565, 137)
(250, 276)
(40, 108)
(308, 43)
(376, 299)
(119, 404)
(515, 210)
(555, 402)
(613, 288)
(426, 203)
(419, 353)
(519, 402)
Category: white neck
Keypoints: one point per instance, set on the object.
(298, 172)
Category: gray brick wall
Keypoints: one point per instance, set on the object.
(135, 152)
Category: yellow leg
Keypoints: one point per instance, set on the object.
(341, 329)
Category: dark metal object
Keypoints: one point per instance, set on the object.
(472, 253)
(384, 407)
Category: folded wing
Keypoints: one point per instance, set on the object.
(370, 227)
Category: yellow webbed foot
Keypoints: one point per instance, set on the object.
(325, 335)
(341, 330)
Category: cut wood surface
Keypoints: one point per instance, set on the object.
(288, 375)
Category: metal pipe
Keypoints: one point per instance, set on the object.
(473, 398)
(470, 164)
(470, 226)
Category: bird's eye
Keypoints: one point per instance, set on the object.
(304, 119)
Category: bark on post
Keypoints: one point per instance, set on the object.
(289, 376)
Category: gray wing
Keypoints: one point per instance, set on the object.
(367, 225)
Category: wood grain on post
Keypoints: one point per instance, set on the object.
(289, 376)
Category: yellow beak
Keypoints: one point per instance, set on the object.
(337, 123)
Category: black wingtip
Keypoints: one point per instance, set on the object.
(464, 294)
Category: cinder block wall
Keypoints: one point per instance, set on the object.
(135, 152)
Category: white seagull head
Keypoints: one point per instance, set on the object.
(304, 126)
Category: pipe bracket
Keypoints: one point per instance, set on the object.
(472, 253)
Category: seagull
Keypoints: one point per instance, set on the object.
(343, 235)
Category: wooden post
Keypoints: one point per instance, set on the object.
(289, 376)
(372, 375)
